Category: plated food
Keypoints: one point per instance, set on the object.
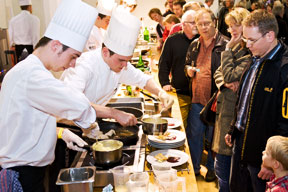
(167, 158)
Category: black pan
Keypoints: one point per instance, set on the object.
(136, 112)
(128, 135)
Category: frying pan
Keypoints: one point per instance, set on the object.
(128, 135)
(136, 112)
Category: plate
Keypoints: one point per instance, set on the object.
(180, 136)
(176, 122)
(169, 152)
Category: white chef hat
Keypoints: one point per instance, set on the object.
(130, 2)
(25, 2)
(105, 6)
(72, 23)
(121, 35)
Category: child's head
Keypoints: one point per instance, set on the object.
(276, 152)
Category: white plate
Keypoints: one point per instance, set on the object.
(168, 152)
(166, 146)
(180, 136)
(176, 122)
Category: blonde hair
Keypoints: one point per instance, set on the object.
(236, 16)
(277, 146)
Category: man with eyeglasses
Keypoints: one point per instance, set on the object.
(172, 60)
(202, 59)
(262, 109)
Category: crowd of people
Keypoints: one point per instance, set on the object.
(241, 55)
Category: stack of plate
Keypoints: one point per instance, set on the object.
(154, 141)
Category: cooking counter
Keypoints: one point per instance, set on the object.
(144, 149)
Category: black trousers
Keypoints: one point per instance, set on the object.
(31, 178)
(243, 176)
(19, 49)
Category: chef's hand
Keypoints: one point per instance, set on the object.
(72, 140)
(265, 173)
(125, 119)
(167, 88)
(166, 99)
(228, 140)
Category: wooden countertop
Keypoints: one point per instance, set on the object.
(188, 172)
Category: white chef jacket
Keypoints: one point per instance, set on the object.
(96, 38)
(97, 81)
(30, 98)
(24, 29)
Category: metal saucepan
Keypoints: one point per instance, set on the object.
(154, 125)
(106, 151)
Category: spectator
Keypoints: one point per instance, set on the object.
(278, 11)
(172, 60)
(178, 8)
(203, 54)
(275, 157)
(156, 15)
(222, 27)
(188, 6)
(169, 21)
(170, 8)
(233, 61)
(260, 110)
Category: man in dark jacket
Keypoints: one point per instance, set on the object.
(172, 60)
(202, 59)
(262, 109)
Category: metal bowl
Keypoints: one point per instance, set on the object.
(154, 125)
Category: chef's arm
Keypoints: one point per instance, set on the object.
(72, 140)
(155, 89)
(125, 119)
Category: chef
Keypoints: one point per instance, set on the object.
(104, 8)
(31, 97)
(99, 73)
(24, 29)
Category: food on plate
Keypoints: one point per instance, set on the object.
(160, 157)
(166, 136)
(173, 159)
(171, 124)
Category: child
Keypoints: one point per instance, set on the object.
(275, 157)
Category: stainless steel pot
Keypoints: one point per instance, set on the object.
(154, 125)
(107, 151)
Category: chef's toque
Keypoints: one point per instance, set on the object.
(72, 23)
(105, 7)
(122, 32)
(25, 2)
(130, 2)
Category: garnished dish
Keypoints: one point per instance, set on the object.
(161, 158)
(167, 158)
(167, 136)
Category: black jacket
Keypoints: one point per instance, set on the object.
(268, 107)
(172, 60)
(192, 55)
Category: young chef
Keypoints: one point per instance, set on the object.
(104, 8)
(31, 97)
(99, 73)
(24, 29)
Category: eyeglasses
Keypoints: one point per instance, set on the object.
(252, 41)
(205, 24)
(191, 23)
